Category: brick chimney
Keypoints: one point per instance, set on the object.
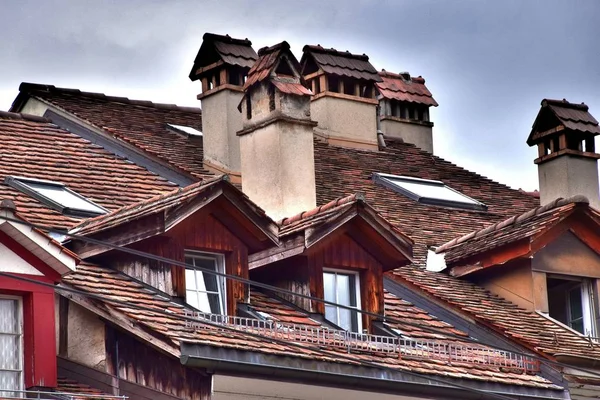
(222, 65)
(404, 103)
(276, 144)
(344, 102)
(567, 160)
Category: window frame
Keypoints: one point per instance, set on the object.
(20, 335)
(387, 181)
(357, 293)
(585, 286)
(185, 130)
(221, 281)
(21, 184)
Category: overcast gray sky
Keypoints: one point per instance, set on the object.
(487, 63)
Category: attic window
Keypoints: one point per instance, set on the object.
(57, 196)
(184, 130)
(428, 192)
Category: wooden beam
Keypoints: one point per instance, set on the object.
(209, 67)
(314, 75)
(324, 83)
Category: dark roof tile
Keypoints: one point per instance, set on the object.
(396, 87)
(341, 63)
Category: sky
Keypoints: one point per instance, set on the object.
(488, 63)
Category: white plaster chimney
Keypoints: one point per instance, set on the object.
(567, 160)
(276, 143)
(344, 102)
(222, 65)
(404, 103)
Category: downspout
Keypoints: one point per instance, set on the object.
(380, 139)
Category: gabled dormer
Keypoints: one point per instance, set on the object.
(208, 225)
(567, 159)
(276, 144)
(337, 252)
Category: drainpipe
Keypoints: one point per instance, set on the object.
(380, 139)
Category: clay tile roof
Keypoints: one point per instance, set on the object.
(172, 331)
(140, 123)
(144, 208)
(229, 50)
(341, 63)
(397, 87)
(65, 385)
(529, 224)
(267, 60)
(32, 147)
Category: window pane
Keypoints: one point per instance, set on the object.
(432, 190)
(331, 314)
(190, 279)
(214, 303)
(210, 283)
(329, 286)
(345, 319)
(575, 303)
(191, 297)
(9, 321)
(578, 326)
(10, 352)
(343, 288)
(10, 381)
(203, 304)
(63, 197)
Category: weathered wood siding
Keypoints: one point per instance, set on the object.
(138, 363)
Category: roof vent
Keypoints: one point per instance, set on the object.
(405, 75)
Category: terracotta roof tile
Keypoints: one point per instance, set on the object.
(231, 51)
(413, 90)
(115, 285)
(65, 385)
(341, 63)
(140, 123)
(33, 148)
(531, 223)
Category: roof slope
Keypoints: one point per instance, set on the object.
(173, 330)
(340, 170)
(529, 224)
(397, 87)
(140, 123)
(341, 63)
(33, 147)
(231, 51)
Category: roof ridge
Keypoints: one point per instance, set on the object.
(23, 116)
(416, 79)
(269, 49)
(202, 183)
(565, 104)
(347, 54)
(514, 220)
(355, 197)
(226, 39)
(32, 88)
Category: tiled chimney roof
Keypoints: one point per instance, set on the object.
(224, 48)
(341, 63)
(403, 87)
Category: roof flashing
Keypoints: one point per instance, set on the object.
(57, 196)
(429, 192)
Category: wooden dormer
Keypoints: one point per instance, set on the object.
(344, 240)
(222, 63)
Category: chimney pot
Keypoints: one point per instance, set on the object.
(8, 205)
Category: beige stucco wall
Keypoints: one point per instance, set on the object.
(567, 176)
(417, 134)
(511, 281)
(220, 122)
(86, 338)
(344, 118)
(278, 168)
(34, 107)
(568, 255)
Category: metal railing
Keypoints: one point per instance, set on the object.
(357, 342)
(51, 395)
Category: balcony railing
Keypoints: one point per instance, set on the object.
(356, 342)
(51, 395)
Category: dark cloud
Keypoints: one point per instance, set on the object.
(488, 63)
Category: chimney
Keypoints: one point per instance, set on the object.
(276, 144)
(567, 160)
(344, 101)
(222, 65)
(404, 103)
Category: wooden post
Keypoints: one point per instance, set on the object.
(204, 84)
(541, 149)
(562, 142)
(357, 90)
(323, 82)
(224, 76)
(313, 83)
(341, 86)
(214, 81)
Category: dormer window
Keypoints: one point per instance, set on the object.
(570, 301)
(184, 130)
(57, 196)
(342, 287)
(428, 192)
(11, 346)
(204, 291)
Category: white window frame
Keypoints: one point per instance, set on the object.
(221, 281)
(356, 275)
(21, 345)
(587, 304)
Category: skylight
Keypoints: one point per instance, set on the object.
(57, 196)
(186, 130)
(428, 192)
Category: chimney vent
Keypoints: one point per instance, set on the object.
(567, 160)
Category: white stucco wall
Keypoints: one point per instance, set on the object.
(419, 135)
(86, 337)
(11, 262)
(34, 107)
(567, 176)
(345, 118)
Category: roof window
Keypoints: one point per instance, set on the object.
(428, 192)
(184, 130)
(57, 196)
